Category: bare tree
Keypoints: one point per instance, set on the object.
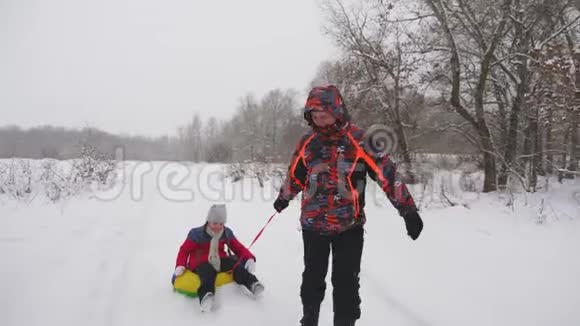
(455, 17)
(276, 108)
(382, 50)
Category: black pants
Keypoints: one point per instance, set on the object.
(207, 275)
(346, 258)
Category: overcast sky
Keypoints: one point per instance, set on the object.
(146, 66)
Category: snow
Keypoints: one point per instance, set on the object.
(107, 260)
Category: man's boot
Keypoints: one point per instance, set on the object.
(344, 322)
(310, 315)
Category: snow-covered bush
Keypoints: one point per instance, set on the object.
(260, 171)
(51, 181)
(16, 179)
(93, 167)
(24, 179)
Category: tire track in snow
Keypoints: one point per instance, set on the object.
(381, 292)
(109, 239)
(117, 235)
(120, 283)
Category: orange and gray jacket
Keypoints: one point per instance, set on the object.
(330, 166)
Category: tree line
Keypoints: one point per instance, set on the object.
(262, 130)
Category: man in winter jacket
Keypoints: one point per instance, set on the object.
(329, 167)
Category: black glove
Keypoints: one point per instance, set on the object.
(414, 224)
(280, 204)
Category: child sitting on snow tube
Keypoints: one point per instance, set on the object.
(203, 253)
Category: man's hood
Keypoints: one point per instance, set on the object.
(329, 99)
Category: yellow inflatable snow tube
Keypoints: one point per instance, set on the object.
(188, 282)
